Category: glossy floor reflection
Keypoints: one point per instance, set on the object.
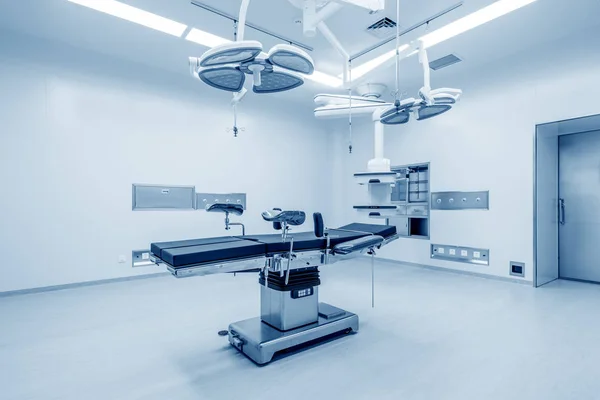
(432, 335)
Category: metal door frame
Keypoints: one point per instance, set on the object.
(535, 179)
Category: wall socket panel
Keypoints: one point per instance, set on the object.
(205, 200)
(460, 200)
(141, 258)
(469, 255)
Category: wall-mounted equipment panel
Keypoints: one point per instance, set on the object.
(462, 254)
(205, 200)
(163, 197)
(460, 200)
(141, 258)
(517, 269)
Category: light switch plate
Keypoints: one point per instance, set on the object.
(462, 254)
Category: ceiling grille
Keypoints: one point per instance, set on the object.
(383, 28)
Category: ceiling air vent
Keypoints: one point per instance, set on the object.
(444, 62)
(383, 28)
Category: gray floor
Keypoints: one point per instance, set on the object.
(432, 335)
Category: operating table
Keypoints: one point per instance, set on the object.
(288, 269)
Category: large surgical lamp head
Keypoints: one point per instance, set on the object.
(399, 113)
(225, 66)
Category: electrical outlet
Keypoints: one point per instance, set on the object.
(462, 254)
(141, 258)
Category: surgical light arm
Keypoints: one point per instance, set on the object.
(424, 60)
(314, 20)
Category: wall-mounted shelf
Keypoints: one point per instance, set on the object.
(411, 195)
(375, 178)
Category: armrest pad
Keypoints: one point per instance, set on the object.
(289, 217)
(235, 209)
(359, 244)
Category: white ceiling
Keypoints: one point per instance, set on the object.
(540, 22)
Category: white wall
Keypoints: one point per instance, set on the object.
(485, 143)
(77, 129)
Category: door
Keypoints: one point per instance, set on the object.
(579, 206)
(546, 204)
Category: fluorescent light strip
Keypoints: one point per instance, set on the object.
(367, 67)
(473, 20)
(145, 18)
(205, 38)
(136, 15)
(325, 79)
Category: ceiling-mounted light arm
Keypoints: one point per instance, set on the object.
(424, 60)
(241, 30)
(242, 20)
(332, 39)
(238, 96)
(194, 65)
(311, 18)
(250, 25)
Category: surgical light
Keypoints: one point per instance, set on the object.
(205, 39)
(135, 15)
(473, 20)
(209, 40)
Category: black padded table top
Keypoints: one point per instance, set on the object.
(157, 248)
(208, 253)
(184, 253)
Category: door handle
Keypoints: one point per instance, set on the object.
(561, 211)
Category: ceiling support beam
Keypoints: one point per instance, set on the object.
(251, 25)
